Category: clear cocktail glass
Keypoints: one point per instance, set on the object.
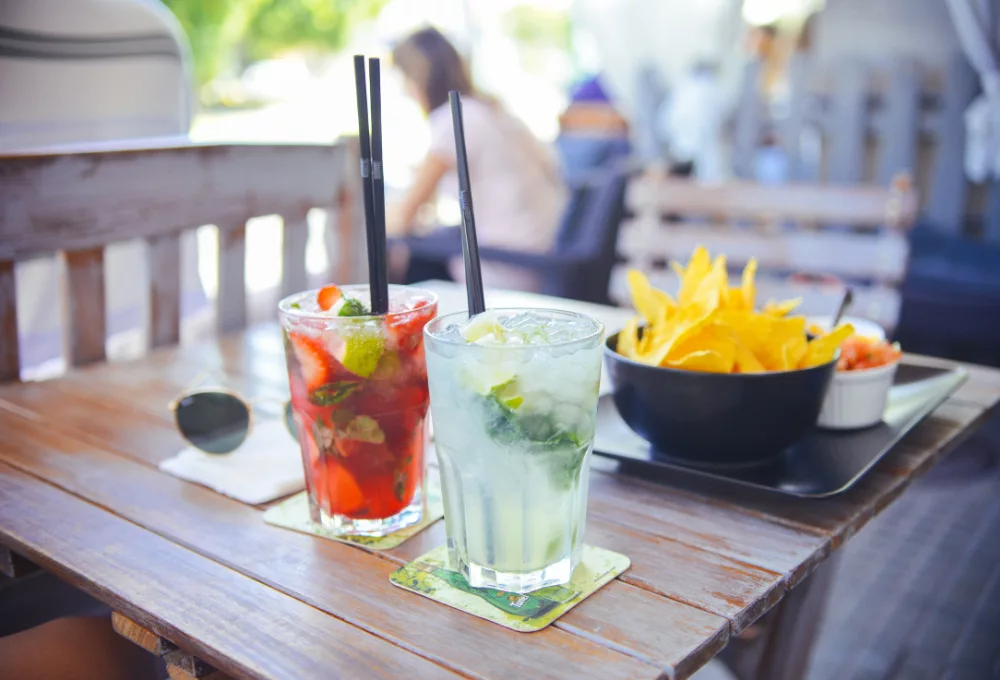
(514, 399)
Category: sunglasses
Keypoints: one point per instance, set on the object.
(217, 419)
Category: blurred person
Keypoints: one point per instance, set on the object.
(691, 120)
(75, 648)
(518, 193)
(763, 45)
(592, 131)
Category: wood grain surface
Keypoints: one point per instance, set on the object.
(863, 205)
(293, 253)
(10, 363)
(708, 559)
(164, 257)
(75, 200)
(334, 577)
(140, 635)
(232, 302)
(84, 287)
(156, 582)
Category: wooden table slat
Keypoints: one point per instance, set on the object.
(708, 558)
(714, 590)
(336, 578)
(109, 557)
(140, 635)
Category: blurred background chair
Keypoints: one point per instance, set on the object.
(580, 263)
(809, 239)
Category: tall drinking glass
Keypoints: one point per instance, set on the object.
(359, 401)
(514, 398)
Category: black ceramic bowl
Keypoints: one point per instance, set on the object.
(717, 418)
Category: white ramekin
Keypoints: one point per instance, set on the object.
(857, 399)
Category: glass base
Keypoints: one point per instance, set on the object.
(348, 526)
(478, 576)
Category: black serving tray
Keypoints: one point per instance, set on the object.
(823, 463)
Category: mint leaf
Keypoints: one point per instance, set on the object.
(501, 422)
(353, 307)
(506, 426)
(295, 305)
(333, 393)
(399, 485)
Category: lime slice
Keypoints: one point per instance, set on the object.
(484, 378)
(508, 394)
(362, 351)
(482, 325)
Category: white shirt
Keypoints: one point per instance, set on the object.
(517, 193)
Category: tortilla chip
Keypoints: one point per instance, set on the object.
(650, 302)
(821, 350)
(783, 308)
(628, 340)
(748, 286)
(705, 361)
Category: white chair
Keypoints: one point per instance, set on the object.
(90, 71)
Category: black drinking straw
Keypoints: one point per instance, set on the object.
(470, 246)
(381, 304)
(366, 172)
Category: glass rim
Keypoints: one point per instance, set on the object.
(284, 306)
(442, 321)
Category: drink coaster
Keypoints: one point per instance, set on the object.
(429, 575)
(294, 514)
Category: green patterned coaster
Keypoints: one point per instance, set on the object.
(430, 576)
(294, 514)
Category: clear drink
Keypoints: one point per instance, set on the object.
(359, 400)
(514, 398)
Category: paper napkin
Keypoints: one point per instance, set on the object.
(267, 466)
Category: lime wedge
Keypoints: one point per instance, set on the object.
(508, 394)
(484, 378)
(362, 351)
(482, 325)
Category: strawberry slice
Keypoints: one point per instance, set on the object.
(328, 297)
(343, 492)
(406, 331)
(313, 360)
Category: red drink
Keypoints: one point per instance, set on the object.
(359, 396)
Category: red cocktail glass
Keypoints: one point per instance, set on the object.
(359, 399)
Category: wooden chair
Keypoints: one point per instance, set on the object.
(77, 200)
(807, 238)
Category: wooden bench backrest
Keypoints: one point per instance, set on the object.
(850, 233)
(77, 200)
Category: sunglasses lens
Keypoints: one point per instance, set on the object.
(215, 422)
(290, 420)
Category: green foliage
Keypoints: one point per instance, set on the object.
(538, 27)
(225, 32)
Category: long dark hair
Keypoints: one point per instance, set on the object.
(433, 63)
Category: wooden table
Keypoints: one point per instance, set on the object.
(80, 494)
